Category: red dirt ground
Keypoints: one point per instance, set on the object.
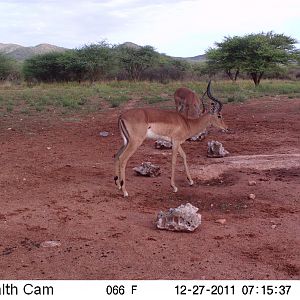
(56, 184)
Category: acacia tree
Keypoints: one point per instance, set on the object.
(43, 67)
(8, 67)
(227, 56)
(73, 67)
(264, 52)
(136, 60)
(98, 60)
(92, 62)
(252, 53)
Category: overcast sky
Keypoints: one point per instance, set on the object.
(177, 28)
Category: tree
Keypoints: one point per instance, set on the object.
(92, 62)
(98, 60)
(136, 60)
(167, 68)
(252, 53)
(228, 57)
(73, 68)
(44, 67)
(7, 67)
(264, 52)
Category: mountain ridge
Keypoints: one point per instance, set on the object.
(21, 53)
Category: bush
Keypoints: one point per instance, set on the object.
(8, 69)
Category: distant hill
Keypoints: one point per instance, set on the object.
(130, 45)
(198, 58)
(20, 53)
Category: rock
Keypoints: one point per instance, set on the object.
(162, 144)
(251, 182)
(273, 226)
(48, 244)
(182, 218)
(251, 196)
(216, 149)
(199, 137)
(147, 169)
(221, 221)
(103, 133)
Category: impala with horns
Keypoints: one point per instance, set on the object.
(137, 124)
(188, 103)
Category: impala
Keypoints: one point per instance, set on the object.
(188, 103)
(137, 124)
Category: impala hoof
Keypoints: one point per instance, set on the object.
(125, 194)
(175, 189)
(191, 182)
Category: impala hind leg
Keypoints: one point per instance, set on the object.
(183, 155)
(123, 159)
(117, 166)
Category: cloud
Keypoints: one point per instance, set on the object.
(180, 28)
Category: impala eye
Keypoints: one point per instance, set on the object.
(219, 116)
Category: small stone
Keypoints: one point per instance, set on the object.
(147, 169)
(251, 182)
(273, 226)
(199, 137)
(221, 221)
(103, 133)
(48, 148)
(48, 244)
(162, 144)
(251, 196)
(216, 149)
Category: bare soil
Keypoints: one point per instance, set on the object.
(62, 216)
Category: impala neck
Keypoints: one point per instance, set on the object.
(199, 125)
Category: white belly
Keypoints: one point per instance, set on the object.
(155, 136)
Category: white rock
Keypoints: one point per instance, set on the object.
(147, 169)
(48, 244)
(221, 221)
(103, 133)
(252, 196)
(251, 182)
(199, 137)
(162, 144)
(182, 218)
(216, 149)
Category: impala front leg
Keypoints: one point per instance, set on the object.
(174, 158)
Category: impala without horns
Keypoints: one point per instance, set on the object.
(137, 124)
(188, 103)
